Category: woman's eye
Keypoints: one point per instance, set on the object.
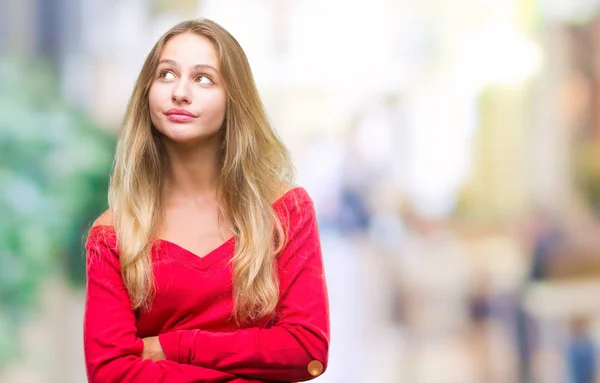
(202, 79)
(166, 75)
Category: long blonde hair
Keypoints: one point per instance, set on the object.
(253, 165)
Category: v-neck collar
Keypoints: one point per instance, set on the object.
(222, 252)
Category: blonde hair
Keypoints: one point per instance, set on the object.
(253, 165)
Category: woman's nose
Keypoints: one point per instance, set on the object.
(181, 94)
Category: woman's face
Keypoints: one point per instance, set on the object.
(187, 97)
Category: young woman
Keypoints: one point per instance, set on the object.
(207, 267)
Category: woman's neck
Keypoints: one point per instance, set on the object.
(193, 172)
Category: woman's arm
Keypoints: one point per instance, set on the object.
(112, 348)
(295, 348)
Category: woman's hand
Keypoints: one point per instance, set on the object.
(152, 349)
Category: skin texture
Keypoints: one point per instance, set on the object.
(188, 78)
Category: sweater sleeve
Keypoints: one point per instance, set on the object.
(295, 348)
(111, 346)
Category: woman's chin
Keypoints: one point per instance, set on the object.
(188, 136)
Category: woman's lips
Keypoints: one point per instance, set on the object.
(180, 115)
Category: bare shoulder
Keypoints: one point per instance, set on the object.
(101, 234)
(105, 219)
(293, 198)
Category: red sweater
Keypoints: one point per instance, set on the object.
(192, 312)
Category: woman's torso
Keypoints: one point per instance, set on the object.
(192, 291)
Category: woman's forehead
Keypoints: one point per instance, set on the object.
(190, 50)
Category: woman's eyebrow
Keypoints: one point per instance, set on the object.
(199, 66)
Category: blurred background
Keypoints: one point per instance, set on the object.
(452, 149)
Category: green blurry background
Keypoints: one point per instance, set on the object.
(55, 162)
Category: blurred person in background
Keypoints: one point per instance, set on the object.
(207, 266)
(546, 236)
(581, 352)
